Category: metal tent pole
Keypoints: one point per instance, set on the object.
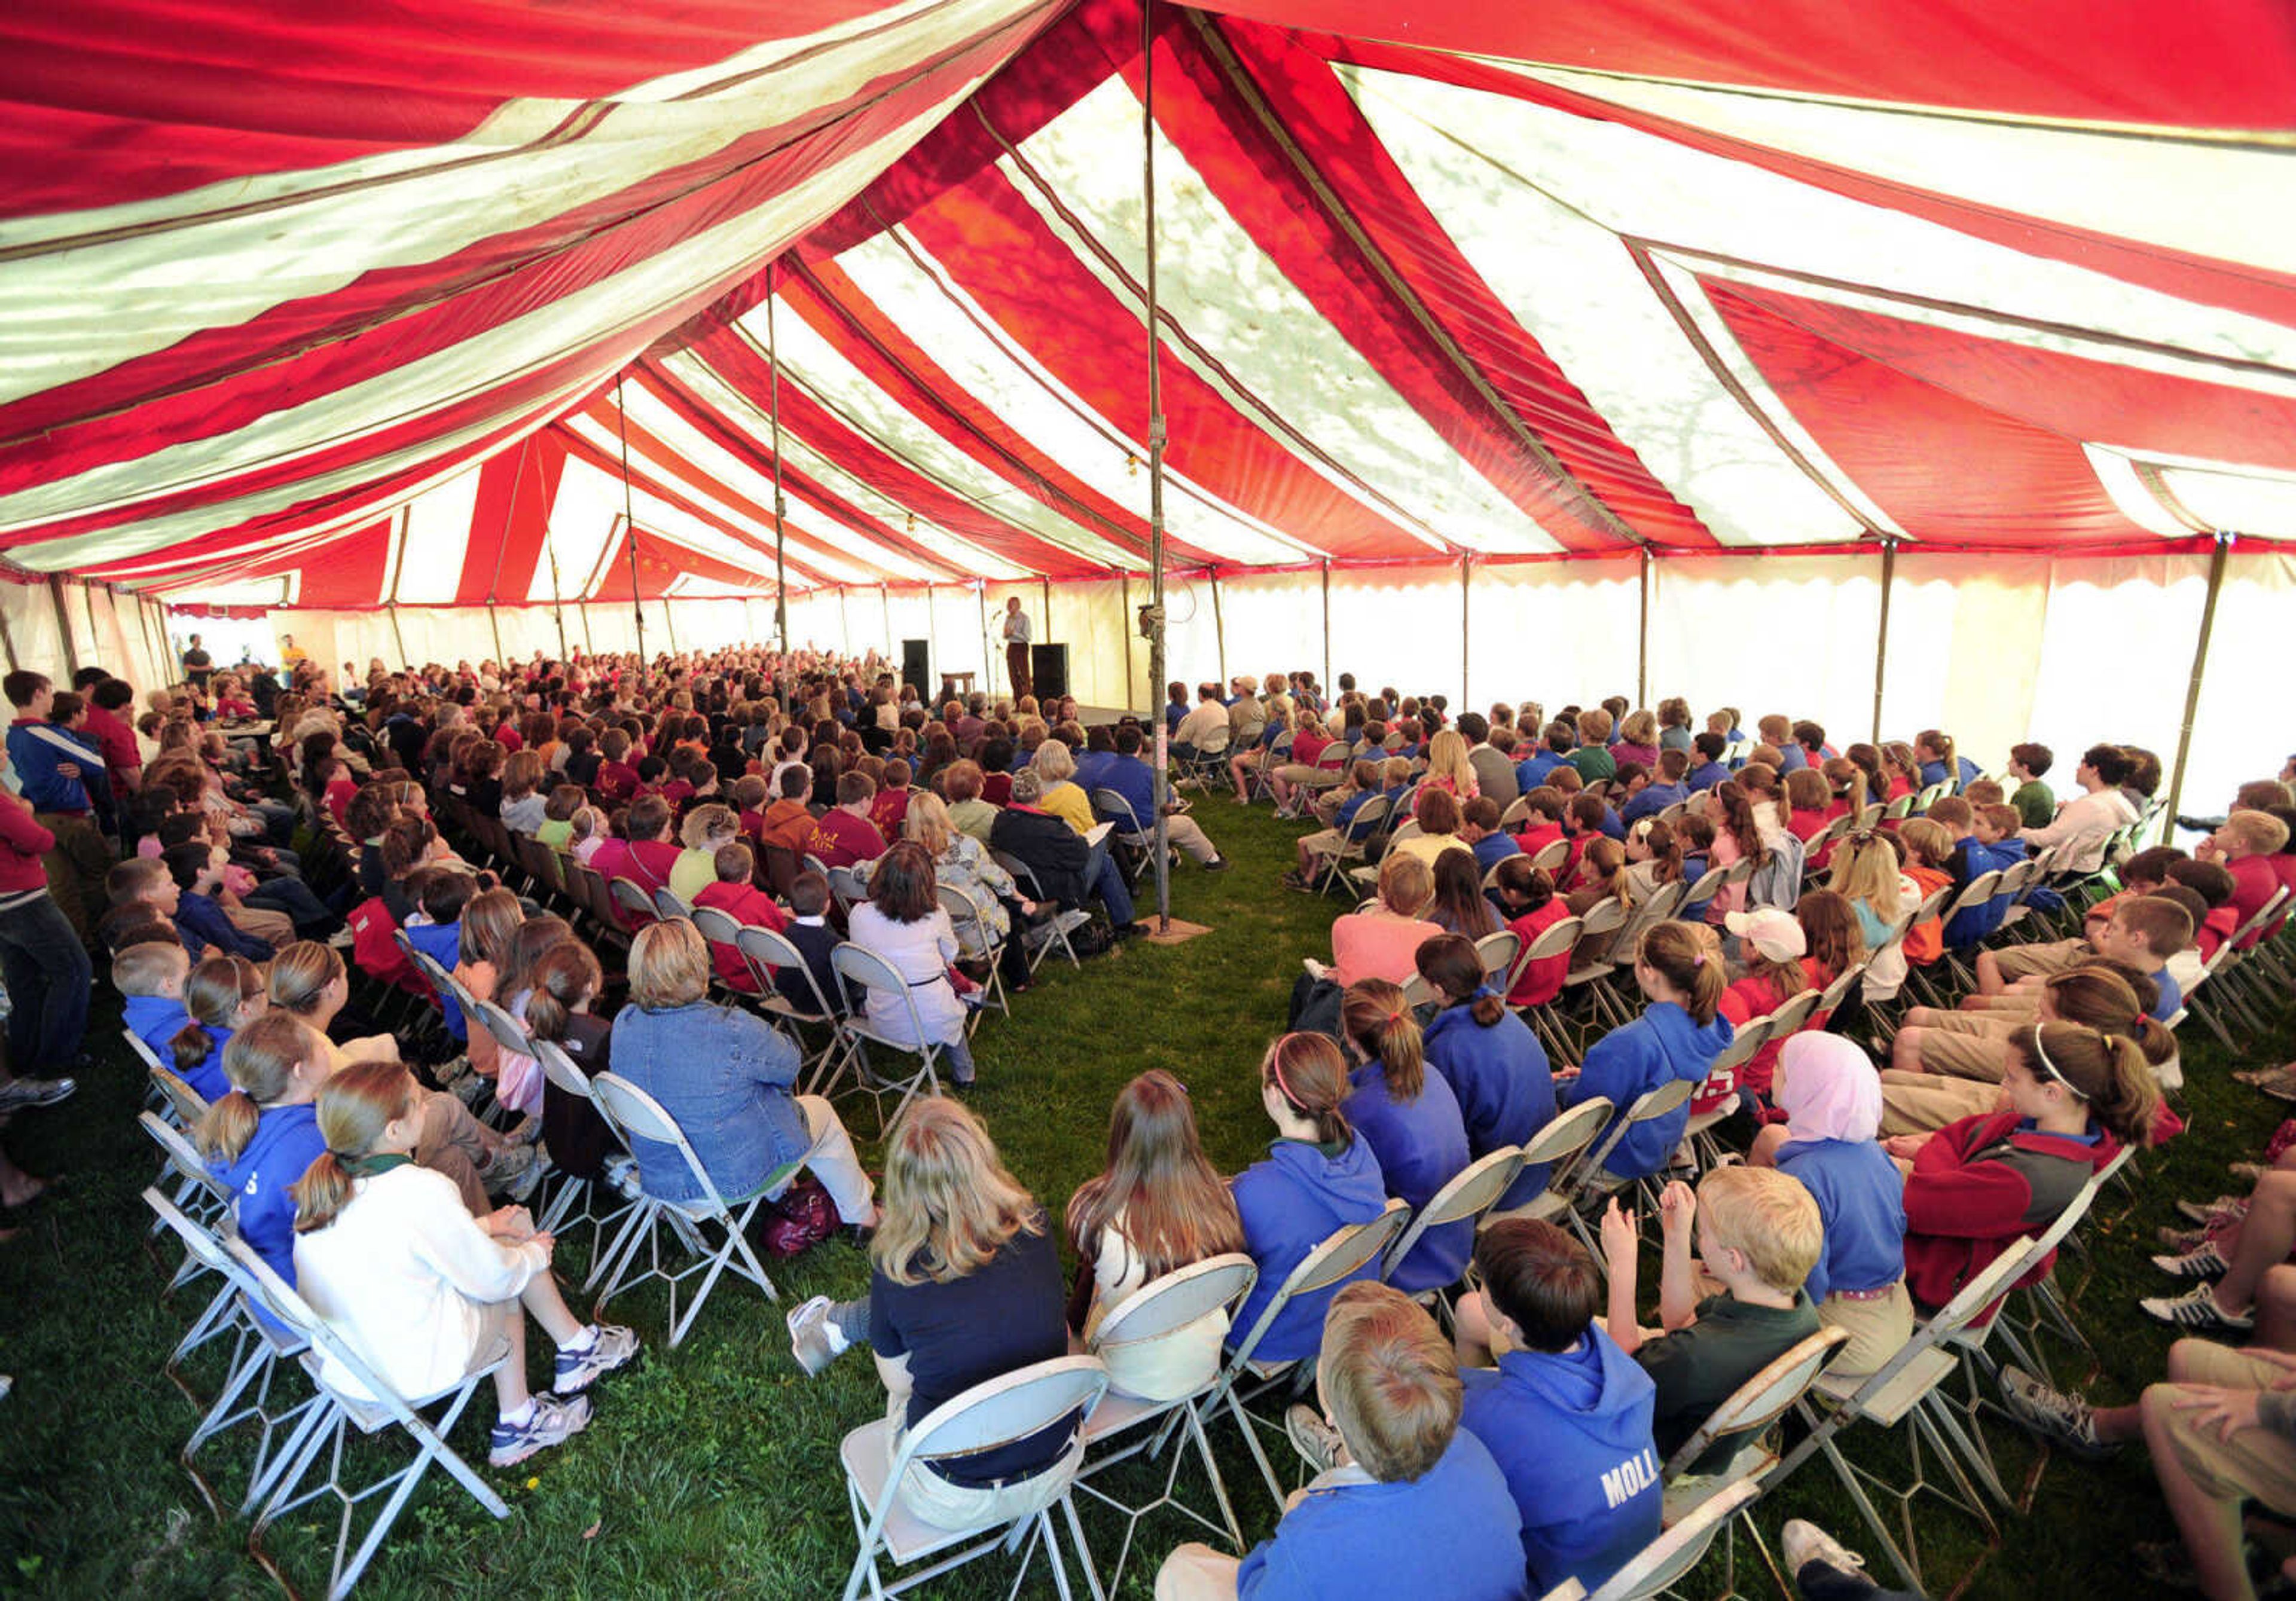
(1327, 631)
(1881, 638)
(557, 604)
(1219, 634)
(988, 657)
(630, 518)
(1162, 848)
(1464, 608)
(1124, 625)
(1642, 640)
(63, 623)
(781, 507)
(2217, 563)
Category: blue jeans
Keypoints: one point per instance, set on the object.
(48, 976)
(1106, 880)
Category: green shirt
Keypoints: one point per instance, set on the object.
(2034, 803)
(1699, 1366)
(1595, 763)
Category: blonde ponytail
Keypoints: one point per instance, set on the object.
(353, 1108)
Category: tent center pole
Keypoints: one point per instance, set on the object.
(2217, 563)
(1465, 610)
(1642, 638)
(1162, 790)
(1326, 684)
(781, 507)
(1220, 633)
(1882, 636)
(630, 521)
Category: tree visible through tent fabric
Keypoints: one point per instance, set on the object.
(1614, 338)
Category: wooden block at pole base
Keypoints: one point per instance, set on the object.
(1174, 933)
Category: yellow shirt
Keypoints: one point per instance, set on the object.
(1070, 804)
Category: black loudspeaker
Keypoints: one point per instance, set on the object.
(1048, 672)
(913, 668)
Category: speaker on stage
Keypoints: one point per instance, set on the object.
(914, 666)
(1048, 668)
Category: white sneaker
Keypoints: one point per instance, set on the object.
(1804, 1542)
(813, 1340)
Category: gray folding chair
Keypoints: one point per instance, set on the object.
(639, 1116)
(1645, 1108)
(1567, 1136)
(633, 905)
(1129, 830)
(720, 931)
(770, 955)
(670, 906)
(978, 942)
(1471, 1192)
(1025, 876)
(1155, 1315)
(198, 1192)
(576, 1201)
(984, 1418)
(1666, 1560)
(873, 974)
(1497, 953)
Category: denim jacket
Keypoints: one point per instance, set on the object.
(725, 1077)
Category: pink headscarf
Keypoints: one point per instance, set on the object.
(1828, 1089)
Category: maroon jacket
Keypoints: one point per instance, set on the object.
(1977, 1186)
(22, 842)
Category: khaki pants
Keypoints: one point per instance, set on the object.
(454, 1143)
(833, 1160)
(947, 1506)
(2024, 961)
(76, 866)
(1878, 1329)
(1924, 1102)
(1972, 1045)
(2255, 1463)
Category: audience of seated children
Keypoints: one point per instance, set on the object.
(2144, 932)
(1832, 1099)
(964, 1286)
(1398, 1478)
(1758, 1238)
(1157, 1207)
(1411, 1120)
(223, 995)
(1678, 1035)
(1564, 1412)
(2074, 1098)
(387, 1253)
(1318, 1176)
(2244, 845)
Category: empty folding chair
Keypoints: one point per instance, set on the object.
(641, 1117)
(1153, 1317)
(1012, 1406)
(316, 1450)
(868, 971)
(260, 1346)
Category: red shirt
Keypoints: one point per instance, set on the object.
(339, 794)
(1306, 746)
(22, 842)
(616, 781)
(2215, 930)
(840, 839)
(1541, 981)
(651, 861)
(888, 810)
(2254, 882)
(121, 754)
(1539, 837)
(746, 903)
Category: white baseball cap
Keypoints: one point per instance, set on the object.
(1776, 934)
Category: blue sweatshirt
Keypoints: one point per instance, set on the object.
(1290, 1204)
(1421, 1147)
(285, 1143)
(1531, 771)
(1450, 1531)
(155, 1020)
(442, 943)
(1705, 776)
(1626, 1063)
(1650, 800)
(1861, 1199)
(1505, 1087)
(1493, 849)
(1571, 1433)
(204, 924)
(207, 1077)
(36, 757)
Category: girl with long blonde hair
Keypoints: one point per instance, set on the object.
(1449, 768)
(386, 1253)
(964, 1287)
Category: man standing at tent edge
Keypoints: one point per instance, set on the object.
(1016, 646)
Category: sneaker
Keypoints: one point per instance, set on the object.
(2205, 1262)
(2052, 1415)
(342, 939)
(471, 1089)
(814, 1339)
(1804, 1542)
(1219, 864)
(507, 1165)
(553, 1421)
(611, 1347)
(2181, 1240)
(1318, 1443)
(2196, 1308)
(19, 1094)
(2208, 1214)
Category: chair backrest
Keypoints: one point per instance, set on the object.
(186, 1103)
(1979, 1292)
(670, 906)
(508, 1032)
(1499, 951)
(1022, 874)
(1747, 1038)
(1646, 1107)
(1660, 1565)
(1340, 1254)
(183, 1157)
(769, 952)
(1655, 907)
(1977, 892)
(1740, 871)
(1605, 916)
(636, 1113)
(1901, 807)
(1008, 1408)
(848, 885)
(1756, 1404)
(1790, 1018)
(287, 1307)
(558, 1068)
(1567, 1133)
(1551, 854)
(1830, 1001)
(631, 903)
(197, 1239)
(1418, 993)
(144, 1053)
(717, 925)
(1517, 810)
(1471, 1192)
(1555, 939)
(964, 912)
(1708, 885)
(857, 965)
(1111, 804)
(1166, 1306)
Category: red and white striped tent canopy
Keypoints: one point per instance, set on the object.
(500, 304)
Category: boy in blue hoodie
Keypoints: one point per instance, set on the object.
(152, 977)
(1402, 1493)
(1565, 1412)
(436, 931)
(1318, 1176)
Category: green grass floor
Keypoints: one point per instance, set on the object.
(712, 1471)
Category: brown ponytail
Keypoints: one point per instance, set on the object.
(1379, 1021)
(300, 974)
(260, 1062)
(2117, 1000)
(2106, 1070)
(1675, 953)
(1519, 882)
(1658, 837)
(1310, 1074)
(1738, 816)
(353, 1108)
(212, 995)
(1455, 972)
(564, 976)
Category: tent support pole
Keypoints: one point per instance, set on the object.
(2216, 563)
(1641, 637)
(494, 625)
(557, 605)
(396, 634)
(1327, 631)
(630, 520)
(1124, 626)
(885, 608)
(1161, 792)
(63, 622)
(1882, 638)
(1466, 609)
(8, 643)
(1220, 633)
(988, 657)
(781, 507)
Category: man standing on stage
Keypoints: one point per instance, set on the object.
(1016, 647)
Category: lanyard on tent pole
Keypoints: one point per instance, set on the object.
(781, 507)
(1882, 638)
(630, 521)
(1155, 472)
(2217, 563)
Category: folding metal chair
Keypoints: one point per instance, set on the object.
(1975, 893)
(258, 1348)
(1651, 1105)
(1156, 1315)
(1497, 953)
(1471, 1192)
(978, 942)
(670, 906)
(198, 1192)
(184, 1106)
(1550, 856)
(872, 974)
(639, 1116)
(770, 955)
(1011, 1407)
(321, 1425)
(1129, 831)
(1557, 1147)
(1025, 876)
(1354, 846)
(632, 905)
(576, 1201)
(1666, 1560)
